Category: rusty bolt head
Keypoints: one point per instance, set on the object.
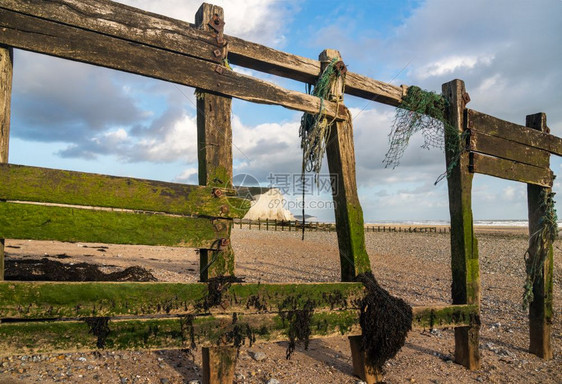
(217, 192)
(225, 242)
(217, 52)
(219, 69)
(224, 209)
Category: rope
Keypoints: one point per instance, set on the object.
(315, 129)
(538, 250)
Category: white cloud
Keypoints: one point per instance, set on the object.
(261, 21)
(188, 175)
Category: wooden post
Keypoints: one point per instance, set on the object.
(540, 309)
(350, 226)
(6, 73)
(349, 215)
(219, 364)
(360, 369)
(214, 145)
(464, 246)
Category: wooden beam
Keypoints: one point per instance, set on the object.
(45, 185)
(52, 38)
(41, 222)
(63, 300)
(119, 20)
(510, 170)
(6, 74)
(464, 246)
(164, 333)
(492, 126)
(540, 309)
(349, 215)
(175, 332)
(509, 150)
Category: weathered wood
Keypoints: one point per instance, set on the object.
(6, 74)
(464, 246)
(170, 332)
(164, 333)
(41, 222)
(480, 122)
(349, 215)
(540, 309)
(214, 149)
(45, 185)
(51, 38)
(509, 150)
(118, 20)
(219, 364)
(361, 369)
(510, 170)
(36, 300)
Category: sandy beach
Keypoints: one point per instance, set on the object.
(413, 266)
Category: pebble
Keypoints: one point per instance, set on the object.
(164, 380)
(194, 382)
(258, 356)
(273, 381)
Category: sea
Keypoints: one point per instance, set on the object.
(429, 223)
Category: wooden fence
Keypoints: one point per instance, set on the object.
(90, 316)
(296, 225)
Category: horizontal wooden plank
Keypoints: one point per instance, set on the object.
(39, 35)
(33, 300)
(510, 170)
(77, 188)
(41, 222)
(445, 316)
(506, 149)
(212, 330)
(492, 126)
(167, 333)
(119, 20)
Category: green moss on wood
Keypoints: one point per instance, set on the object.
(68, 187)
(41, 337)
(25, 300)
(359, 261)
(437, 317)
(36, 222)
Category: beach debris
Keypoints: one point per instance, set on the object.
(385, 321)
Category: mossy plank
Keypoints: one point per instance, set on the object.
(6, 74)
(78, 188)
(36, 300)
(167, 333)
(175, 332)
(445, 316)
(40, 222)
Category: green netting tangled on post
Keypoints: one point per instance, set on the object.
(538, 245)
(315, 129)
(419, 111)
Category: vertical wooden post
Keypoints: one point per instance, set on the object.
(6, 73)
(540, 309)
(464, 246)
(349, 215)
(350, 227)
(214, 144)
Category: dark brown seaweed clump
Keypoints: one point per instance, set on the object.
(385, 321)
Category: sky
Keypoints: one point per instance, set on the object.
(74, 116)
